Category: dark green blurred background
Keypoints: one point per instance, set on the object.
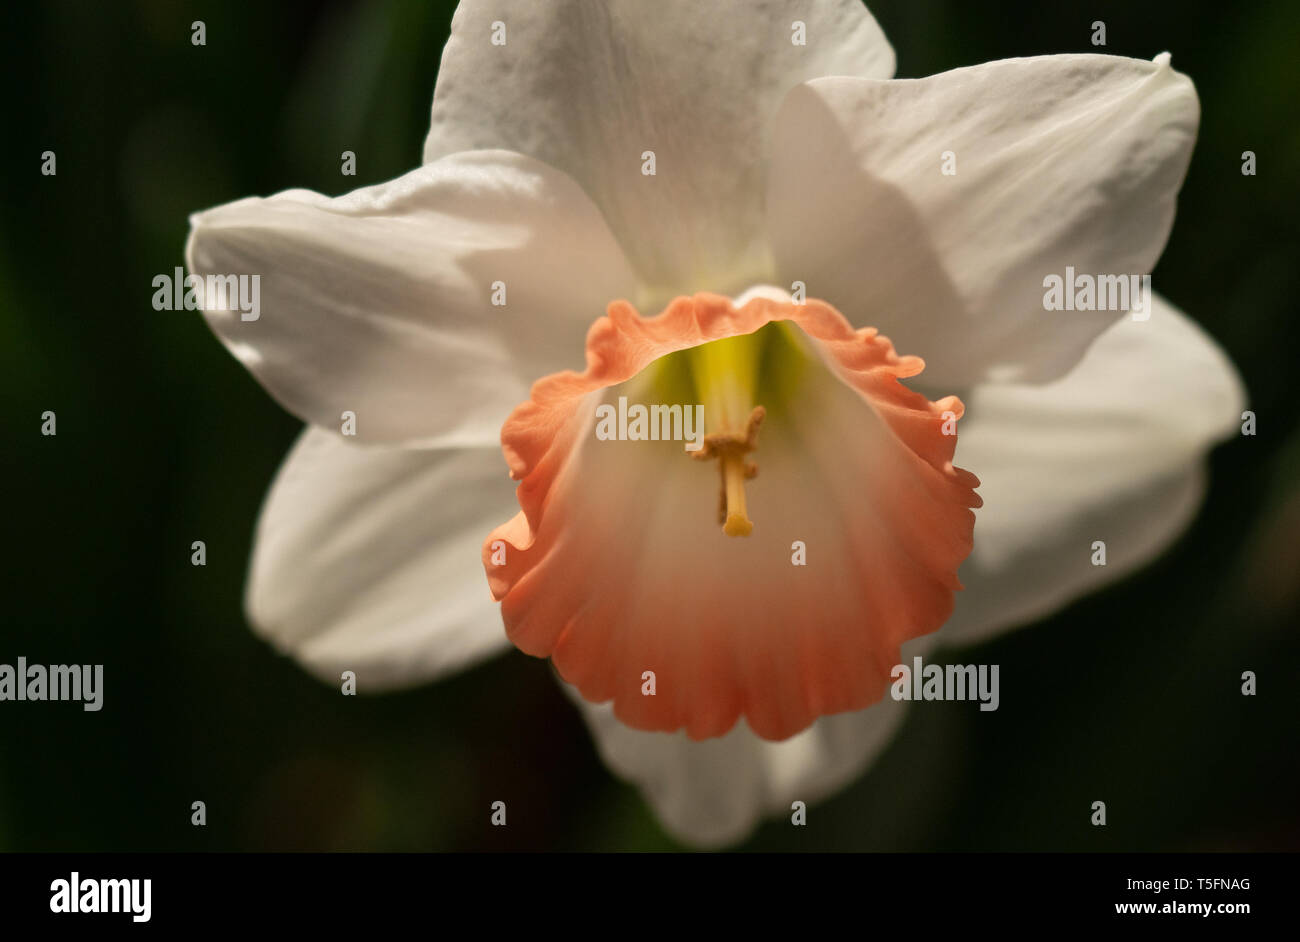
(1131, 695)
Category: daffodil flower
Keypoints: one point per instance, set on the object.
(655, 186)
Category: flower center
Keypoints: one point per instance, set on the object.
(612, 569)
(730, 449)
(726, 377)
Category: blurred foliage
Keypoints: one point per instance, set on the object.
(1131, 694)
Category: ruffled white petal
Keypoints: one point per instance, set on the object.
(1071, 160)
(381, 302)
(591, 87)
(1113, 452)
(367, 559)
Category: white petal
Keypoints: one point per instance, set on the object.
(1114, 452)
(367, 559)
(716, 791)
(1071, 160)
(589, 87)
(380, 302)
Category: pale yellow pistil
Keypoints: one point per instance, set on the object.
(730, 449)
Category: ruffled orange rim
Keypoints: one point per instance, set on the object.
(812, 649)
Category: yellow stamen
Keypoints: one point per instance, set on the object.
(725, 373)
(730, 449)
